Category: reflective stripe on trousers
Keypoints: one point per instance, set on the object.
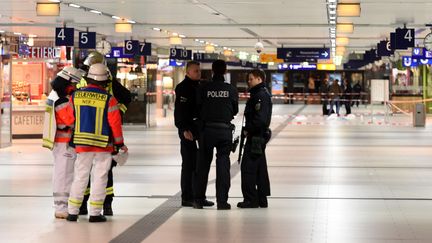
(83, 166)
(64, 160)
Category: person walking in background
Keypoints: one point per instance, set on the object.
(324, 96)
(335, 92)
(357, 89)
(346, 97)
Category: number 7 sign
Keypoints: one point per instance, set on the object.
(64, 36)
(145, 49)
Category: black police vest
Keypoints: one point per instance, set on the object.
(217, 105)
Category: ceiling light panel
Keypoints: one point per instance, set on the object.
(348, 10)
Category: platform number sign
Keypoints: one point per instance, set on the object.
(131, 47)
(405, 38)
(393, 41)
(64, 36)
(384, 49)
(145, 49)
(87, 40)
(180, 54)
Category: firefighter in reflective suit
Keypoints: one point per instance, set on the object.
(57, 134)
(123, 98)
(97, 133)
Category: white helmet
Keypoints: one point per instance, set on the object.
(93, 58)
(98, 72)
(71, 74)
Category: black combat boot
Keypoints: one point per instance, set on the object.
(97, 219)
(72, 217)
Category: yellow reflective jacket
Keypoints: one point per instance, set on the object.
(109, 89)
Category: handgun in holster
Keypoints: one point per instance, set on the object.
(235, 144)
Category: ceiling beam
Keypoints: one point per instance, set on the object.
(192, 25)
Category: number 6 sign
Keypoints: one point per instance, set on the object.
(131, 47)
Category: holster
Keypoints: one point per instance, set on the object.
(267, 135)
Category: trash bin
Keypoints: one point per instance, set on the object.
(419, 115)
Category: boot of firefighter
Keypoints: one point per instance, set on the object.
(83, 209)
(107, 207)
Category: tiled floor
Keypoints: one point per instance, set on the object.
(333, 180)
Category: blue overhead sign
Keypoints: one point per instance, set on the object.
(303, 54)
(245, 64)
(427, 54)
(117, 52)
(262, 65)
(418, 52)
(408, 61)
(175, 63)
(297, 66)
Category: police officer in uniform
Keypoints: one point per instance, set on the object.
(255, 181)
(218, 104)
(185, 117)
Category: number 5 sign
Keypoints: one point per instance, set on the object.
(87, 40)
(64, 37)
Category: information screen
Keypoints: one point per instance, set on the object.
(277, 83)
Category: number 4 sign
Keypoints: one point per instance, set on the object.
(405, 38)
(64, 37)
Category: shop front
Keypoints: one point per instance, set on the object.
(31, 76)
(5, 101)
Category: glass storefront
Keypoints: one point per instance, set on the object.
(30, 88)
(5, 101)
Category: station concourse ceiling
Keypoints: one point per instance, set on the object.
(237, 24)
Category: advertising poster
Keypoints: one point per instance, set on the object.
(277, 83)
